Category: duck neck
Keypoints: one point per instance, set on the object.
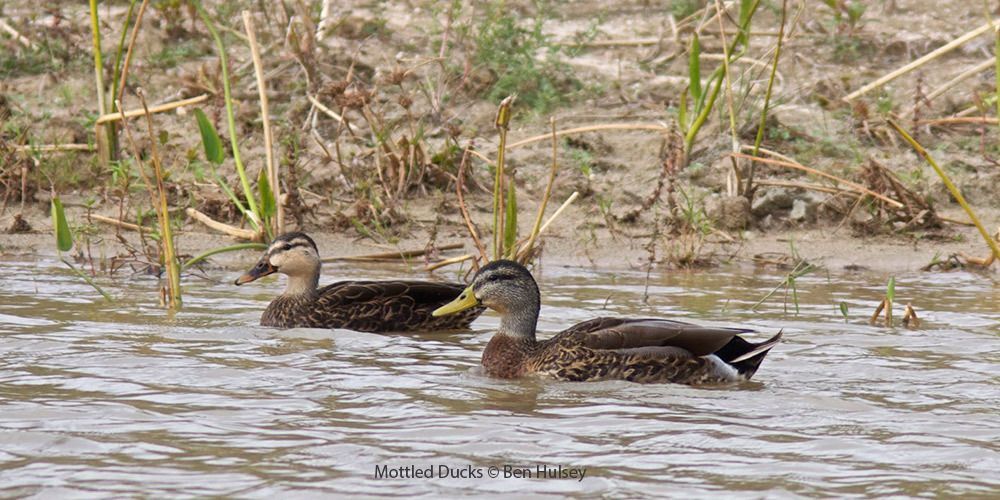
(302, 284)
(521, 320)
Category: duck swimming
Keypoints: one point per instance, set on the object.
(644, 350)
(367, 306)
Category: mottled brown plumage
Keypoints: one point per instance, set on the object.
(639, 350)
(367, 306)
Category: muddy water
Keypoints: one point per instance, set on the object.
(100, 400)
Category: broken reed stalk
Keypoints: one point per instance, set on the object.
(502, 123)
(115, 71)
(117, 223)
(235, 232)
(272, 168)
(759, 138)
(166, 232)
(878, 312)
(952, 45)
(123, 79)
(798, 166)
(559, 211)
(910, 319)
(955, 193)
(965, 75)
(447, 262)
(117, 115)
(159, 201)
(23, 40)
(460, 187)
(525, 251)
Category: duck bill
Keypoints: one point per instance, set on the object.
(464, 301)
(263, 268)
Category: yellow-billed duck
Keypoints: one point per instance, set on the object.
(645, 350)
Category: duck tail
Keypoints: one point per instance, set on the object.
(745, 356)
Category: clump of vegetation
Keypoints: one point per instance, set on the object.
(521, 59)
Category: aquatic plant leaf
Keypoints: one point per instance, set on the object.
(694, 68)
(64, 238)
(890, 289)
(268, 206)
(510, 220)
(843, 310)
(209, 138)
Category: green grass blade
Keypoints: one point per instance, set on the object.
(510, 221)
(89, 281)
(843, 310)
(694, 68)
(64, 238)
(231, 248)
(890, 289)
(209, 138)
(746, 10)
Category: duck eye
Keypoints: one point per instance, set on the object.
(495, 277)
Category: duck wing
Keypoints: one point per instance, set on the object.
(388, 306)
(649, 334)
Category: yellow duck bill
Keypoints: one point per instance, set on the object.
(467, 299)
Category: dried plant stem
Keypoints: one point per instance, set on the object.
(272, 168)
(965, 75)
(15, 35)
(759, 138)
(123, 79)
(950, 185)
(117, 223)
(952, 45)
(734, 136)
(559, 211)
(390, 256)
(878, 311)
(166, 232)
(460, 187)
(448, 262)
(959, 120)
(52, 148)
(112, 117)
(591, 128)
(813, 171)
(525, 250)
(235, 232)
(329, 112)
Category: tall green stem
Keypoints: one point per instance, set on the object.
(231, 118)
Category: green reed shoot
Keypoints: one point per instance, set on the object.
(703, 99)
(64, 243)
(801, 269)
(253, 212)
